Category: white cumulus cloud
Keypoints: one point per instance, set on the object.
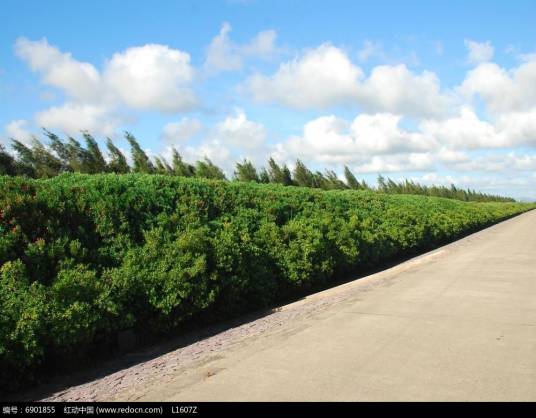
(74, 117)
(225, 55)
(397, 163)
(230, 140)
(182, 130)
(468, 131)
(149, 77)
(213, 149)
(152, 77)
(396, 89)
(479, 51)
(79, 80)
(321, 77)
(463, 131)
(502, 162)
(329, 139)
(325, 76)
(238, 131)
(502, 90)
(17, 129)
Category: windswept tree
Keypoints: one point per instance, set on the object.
(25, 154)
(159, 167)
(78, 156)
(287, 176)
(61, 150)
(48, 165)
(351, 181)
(142, 163)
(11, 166)
(95, 162)
(162, 167)
(274, 171)
(118, 162)
(452, 192)
(302, 176)
(382, 185)
(264, 177)
(245, 171)
(8, 165)
(277, 174)
(320, 181)
(207, 169)
(43, 162)
(72, 155)
(180, 168)
(39, 160)
(332, 181)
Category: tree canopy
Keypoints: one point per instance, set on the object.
(39, 160)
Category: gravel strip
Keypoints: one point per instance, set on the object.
(136, 377)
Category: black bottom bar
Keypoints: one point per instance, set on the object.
(252, 409)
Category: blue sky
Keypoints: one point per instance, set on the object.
(439, 92)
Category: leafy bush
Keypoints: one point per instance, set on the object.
(84, 257)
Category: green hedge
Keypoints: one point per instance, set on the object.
(84, 257)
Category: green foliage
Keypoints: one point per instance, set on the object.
(264, 177)
(245, 171)
(142, 163)
(351, 181)
(83, 257)
(22, 324)
(330, 181)
(180, 168)
(7, 163)
(206, 169)
(43, 163)
(95, 161)
(118, 162)
(162, 167)
(452, 192)
(277, 174)
(302, 176)
(61, 156)
(166, 280)
(73, 155)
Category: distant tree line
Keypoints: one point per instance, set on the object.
(70, 156)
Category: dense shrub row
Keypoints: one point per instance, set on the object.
(83, 257)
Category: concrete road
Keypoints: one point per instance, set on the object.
(456, 324)
(461, 327)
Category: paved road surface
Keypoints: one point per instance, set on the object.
(456, 324)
